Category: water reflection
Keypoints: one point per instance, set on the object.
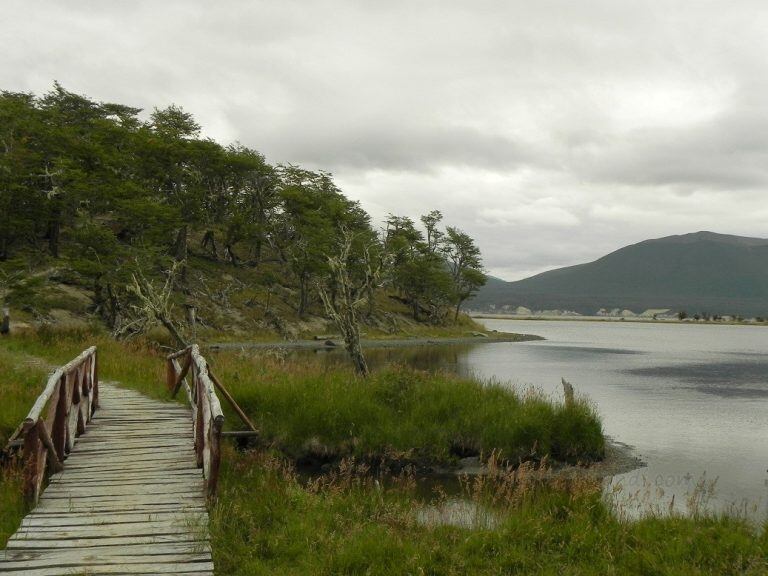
(719, 378)
(431, 358)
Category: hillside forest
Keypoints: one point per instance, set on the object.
(137, 219)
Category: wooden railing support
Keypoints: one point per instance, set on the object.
(59, 415)
(232, 402)
(207, 416)
(53, 456)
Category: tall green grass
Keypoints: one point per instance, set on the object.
(268, 522)
(139, 364)
(22, 381)
(12, 505)
(310, 407)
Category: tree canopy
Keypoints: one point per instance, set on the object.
(99, 189)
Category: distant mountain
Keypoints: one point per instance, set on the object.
(699, 272)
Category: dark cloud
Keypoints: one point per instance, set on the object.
(552, 131)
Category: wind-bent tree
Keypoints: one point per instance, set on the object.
(434, 235)
(254, 201)
(314, 213)
(465, 264)
(419, 271)
(22, 199)
(170, 153)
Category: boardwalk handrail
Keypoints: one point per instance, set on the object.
(207, 416)
(58, 416)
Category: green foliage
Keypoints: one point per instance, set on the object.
(418, 271)
(96, 189)
(436, 270)
(315, 214)
(11, 501)
(465, 264)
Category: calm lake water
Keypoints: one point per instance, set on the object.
(691, 399)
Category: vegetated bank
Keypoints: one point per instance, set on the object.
(389, 341)
(350, 521)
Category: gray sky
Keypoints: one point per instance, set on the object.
(551, 131)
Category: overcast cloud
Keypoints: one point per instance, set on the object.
(551, 131)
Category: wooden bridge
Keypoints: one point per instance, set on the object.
(128, 476)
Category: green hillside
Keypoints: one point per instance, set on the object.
(699, 272)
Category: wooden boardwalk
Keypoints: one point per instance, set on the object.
(131, 498)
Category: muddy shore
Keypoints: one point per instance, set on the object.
(619, 458)
(489, 338)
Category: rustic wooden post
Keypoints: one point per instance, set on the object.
(215, 456)
(79, 398)
(59, 434)
(180, 373)
(32, 465)
(95, 381)
(70, 380)
(170, 374)
(568, 393)
(53, 458)
(206, 437)
(199, 419)
(87, 409)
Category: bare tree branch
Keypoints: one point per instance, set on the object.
(155, 306)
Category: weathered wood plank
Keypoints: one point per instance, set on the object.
(75, 560)
(90, 460)
(137, 568)
(109, 552)
(96, 492)
(148, 477)
(134, 470)
(129, 448)
(154, 528)
(108, 519)
(137, 509)
(101, 474)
